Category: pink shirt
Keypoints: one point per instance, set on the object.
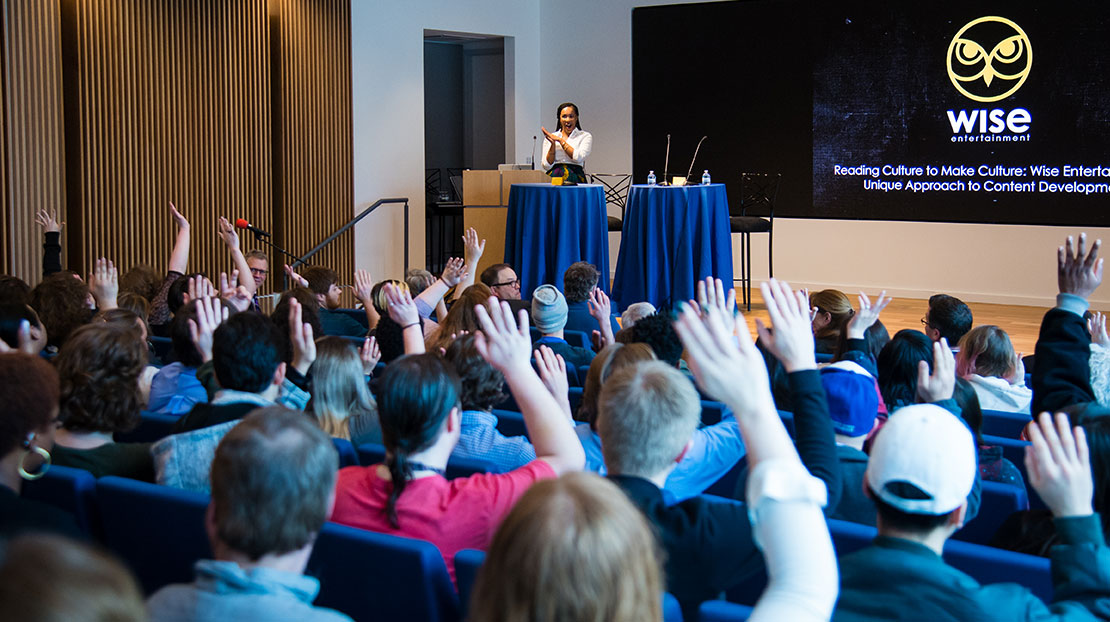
(457, 514)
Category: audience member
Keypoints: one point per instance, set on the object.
(273, 480)
(834, 312)
(62, 303)
(99, 369)
(921, 469)
(141, 280)
(987, 360)
(125, 318)
(993, 466)
(310, 314)
(898, 366)
(502, 280)
(418, 403)
(324, 283)
(656, 331)
(175, 389)
(50, 579)
(341, 400)
(949, 318)
(244, 352)
(51, 241)
(563, 535)
(853, 407)
(13, 316)
(549, 311)
(635, 312)
(28, 416)
(14, 290)
(579, 282)
(161, 308)
(461, 318)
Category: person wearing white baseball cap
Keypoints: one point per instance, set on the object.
(921, 469)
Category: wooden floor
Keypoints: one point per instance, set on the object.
(1021, 323)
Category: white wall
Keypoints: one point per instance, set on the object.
(984, 263)
(387, 70)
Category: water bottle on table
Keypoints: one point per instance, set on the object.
(705, 178)
(651, 178)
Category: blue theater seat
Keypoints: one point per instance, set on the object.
(1006, 425)
(723, 611)
(347, 454)
(158, 530)
(373, 576)
(999, 501)
(456, 467)
(71, 490)
(152, 427)
(510, 423)
(468, 561)
(1014, 450)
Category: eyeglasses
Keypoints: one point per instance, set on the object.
(925, 321)
(513, 283)
(259, 271)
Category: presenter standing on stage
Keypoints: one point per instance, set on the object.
(568, 147)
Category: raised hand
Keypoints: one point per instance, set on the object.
(234, 295)
(104, 284)
(1077, 271)
(502, 341)
(300, 337)
(1096, 325)
(1059, 466)
(364, 285)
(473, 247)
(867, 315)
(182, 223)
(792, 340)
(1017, 373)
(210, 314)
(228, 233)
(49, 221)
(553, 372)
(294, 278)
(601, 309)
(370, 354)
(200, 287)
(402, 309)
(454, 271)
(731, 374)
(942, 382)
(711, 293)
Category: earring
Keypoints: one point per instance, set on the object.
(42, 453)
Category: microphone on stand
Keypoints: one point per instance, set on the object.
(533, 152)
(691, 169)
(243, 224)
(666, 162)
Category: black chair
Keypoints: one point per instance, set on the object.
(616, 193)
(757, 192)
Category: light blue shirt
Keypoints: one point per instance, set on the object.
(715, 450)
(480, 439)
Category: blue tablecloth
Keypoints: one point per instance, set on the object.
(550, 227)
(672, 238)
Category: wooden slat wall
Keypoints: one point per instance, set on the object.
(172, 103)
(314, 193)
(32, 172)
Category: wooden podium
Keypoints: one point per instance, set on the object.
(485, 201)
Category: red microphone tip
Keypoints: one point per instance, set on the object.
(242, 223)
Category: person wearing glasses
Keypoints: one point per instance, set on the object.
(505, 284)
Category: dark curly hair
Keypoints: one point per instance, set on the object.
(658, 332)
(99, 369)
(14, 290)
(481, 383)
(579, 280)
(62, 302)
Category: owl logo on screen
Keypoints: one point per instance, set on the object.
(989, 59)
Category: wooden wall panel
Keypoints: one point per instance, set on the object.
(314, 188)
(171, 102)
(32, 173)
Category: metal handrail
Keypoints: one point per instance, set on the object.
(304, 259)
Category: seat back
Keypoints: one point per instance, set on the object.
(152, 427)
(374, 576)
(469, 561)
(578, 339)
(575, 397)
(70, 490)
(616, 187)
(1014, 450)
(1004, 424)
(162, 347)
(357, 315)
(758, 192)
(999, 501)
(372, 453)
(723, 611)
(347, 454)
(158, 530)
(712, 412)
(510, 423)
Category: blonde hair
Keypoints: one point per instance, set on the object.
(986, 351)
(339, 388)
(837, 305)
(53, 579)
(573, 548)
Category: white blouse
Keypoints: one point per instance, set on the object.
(580, 140)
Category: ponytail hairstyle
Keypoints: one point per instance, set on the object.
(415, 397)
(838, 306)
